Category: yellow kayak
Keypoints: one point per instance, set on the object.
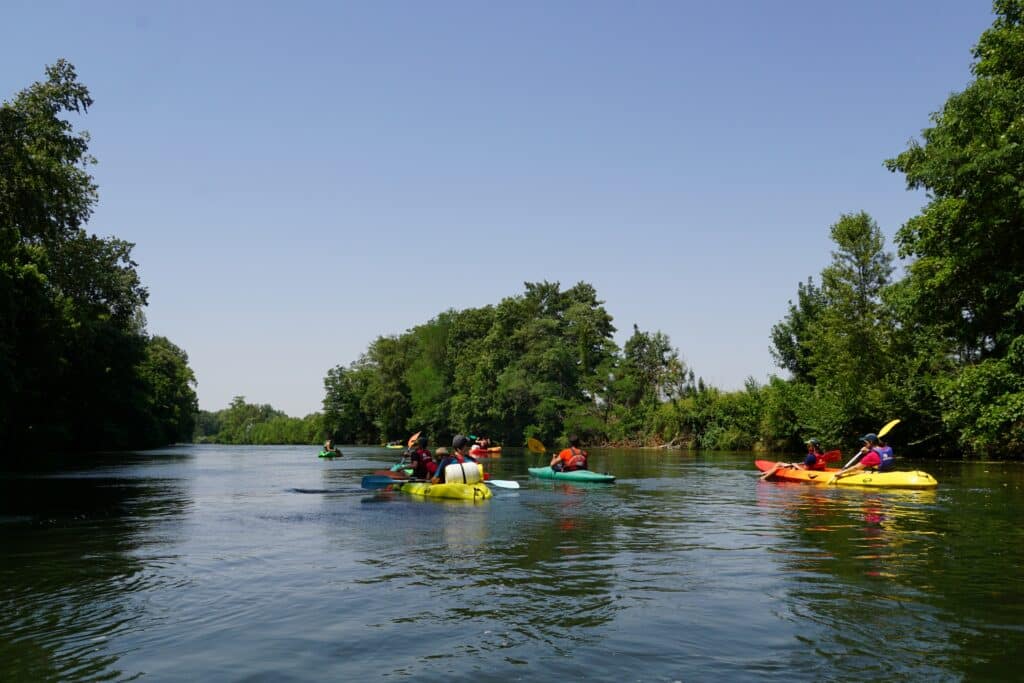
(458, 491)
(890, 480)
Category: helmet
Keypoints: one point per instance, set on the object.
(871, 438)
(813, 442)
(421, 442)
(460, 441)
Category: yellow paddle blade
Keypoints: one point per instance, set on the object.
(885, 430)
(534, 445)
(412, 439)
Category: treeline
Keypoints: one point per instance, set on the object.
(78, 371)
(248, 423)
(942, 348)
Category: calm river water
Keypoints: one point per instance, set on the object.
(208, 563)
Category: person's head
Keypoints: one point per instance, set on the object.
(574, 441)
(870, 439)
(460, 442)
(421, 442)
(813, 445)
(441, 452)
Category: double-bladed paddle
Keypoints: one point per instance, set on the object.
(377, 481)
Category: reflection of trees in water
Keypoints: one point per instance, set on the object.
(890, 577)
(68, 568)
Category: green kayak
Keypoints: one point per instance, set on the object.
(575, 475)
(330, 454)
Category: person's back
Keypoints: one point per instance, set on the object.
(571, 458)
(423, 464)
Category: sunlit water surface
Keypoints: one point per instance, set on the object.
(267, 563)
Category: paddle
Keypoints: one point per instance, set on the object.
(412, 439)
(535, 446)
(860, 454)
(833, 456)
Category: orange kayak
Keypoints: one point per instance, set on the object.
(894, 480)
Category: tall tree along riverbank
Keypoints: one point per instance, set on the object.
(78, 370)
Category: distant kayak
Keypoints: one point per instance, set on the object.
(492, 452)
(574, 475)
(893, 480)
(329, 454)
(393, 445)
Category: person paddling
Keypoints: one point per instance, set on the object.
(815, 460)
(330, 448)
(874, 456)
(571, 458)
(459, 454)
(423, 465)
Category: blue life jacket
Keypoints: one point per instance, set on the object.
(887, 458)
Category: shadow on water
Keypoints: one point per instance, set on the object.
(70, 565)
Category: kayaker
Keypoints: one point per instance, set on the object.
(875, 456)
(815, 460)
(329, 447)
(571, 458)
(459, 454)
(479, 449)
(423, 465)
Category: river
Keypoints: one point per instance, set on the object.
(235, 563)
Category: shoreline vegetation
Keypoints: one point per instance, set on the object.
(941, 348)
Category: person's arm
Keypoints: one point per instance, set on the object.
(554, 459)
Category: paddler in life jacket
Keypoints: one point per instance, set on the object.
(330, 448)
(479, 449)
(423, 465)
(459, 454)
(815, 460)
(571, 458)
(876, 456)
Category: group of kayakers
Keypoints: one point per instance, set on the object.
(875, 454)
(432, 466)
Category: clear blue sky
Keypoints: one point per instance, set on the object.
(301, 177)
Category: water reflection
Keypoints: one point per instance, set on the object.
(73, 565)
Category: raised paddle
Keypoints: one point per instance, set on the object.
(412, 439)
(535, 446)
(833, 456)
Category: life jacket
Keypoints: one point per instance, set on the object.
(819, 462)
(421, 461)
(885, 454)
(573, 459)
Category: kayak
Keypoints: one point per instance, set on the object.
(458, 491)
(892, 480)
(329, 454)
(575, 475)
(393, 445)
(492, 452)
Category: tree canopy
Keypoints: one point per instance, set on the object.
(77, 368)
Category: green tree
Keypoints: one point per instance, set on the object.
(964, 291)
(75, 369)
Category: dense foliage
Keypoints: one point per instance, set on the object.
(77, 368)
(248, 423)
(942, 348)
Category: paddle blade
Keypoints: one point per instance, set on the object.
(412, 439)
(534, 445)
(503, 483)
(885, 430)
(377, 482)
(833, 456)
